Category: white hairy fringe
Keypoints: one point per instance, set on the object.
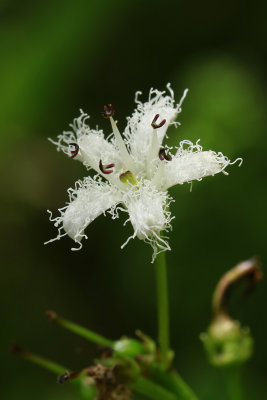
(84, 188)
(149, 231)
(190, 163)
(139, 133)
(186, 146)
(92, 145)
(149, 215)
(79, 128)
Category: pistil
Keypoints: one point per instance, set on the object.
(128, 177)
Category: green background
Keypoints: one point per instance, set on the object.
(59, 56)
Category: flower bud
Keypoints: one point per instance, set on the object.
(226, 342)
(128, 347)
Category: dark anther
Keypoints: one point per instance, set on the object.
(163, 155)
(156, 126)
(63, 378)
(105, 168)
(108, 111)
(16, 349)
(51, 315)
(69, 376)
(106, 351)
(76, 149)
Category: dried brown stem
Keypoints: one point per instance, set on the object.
(246, 270)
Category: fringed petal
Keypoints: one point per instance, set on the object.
(190, 163)
(88, 200)
(149, 215)
(139, 132)
(92, 144)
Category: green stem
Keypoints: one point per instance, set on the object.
(47, 364)
(163, 306)
(233, 382)
(86, 392)
(172, 381)
(152, 390)
(180, 386)
(141, 386)
(38, 360)
(79, 330)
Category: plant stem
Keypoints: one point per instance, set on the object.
(249, 269)
(36, 359)
(180, 387)
(152, 390)
(163, 306)
(86, 392)
(233, 382)
(172, 381)
(141, 386)
(79, 330)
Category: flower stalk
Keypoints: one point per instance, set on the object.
(152, 390)
(38, 360)
(233, 384)
(249, 270)
(173, 382)
(141, 385)
(163, 308)
(79, 330)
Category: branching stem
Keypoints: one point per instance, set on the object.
(79, 330)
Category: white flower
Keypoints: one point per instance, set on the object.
(137, 170)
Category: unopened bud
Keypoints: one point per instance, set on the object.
(128, 347)
(226, 342)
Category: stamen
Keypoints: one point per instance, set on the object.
(156, 126)
(163, 155)
(75, 151)
(108, 111)
(105, 168)
(126, 158)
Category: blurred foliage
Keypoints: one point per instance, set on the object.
(59, 56)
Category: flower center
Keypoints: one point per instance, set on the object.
(128, 177)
